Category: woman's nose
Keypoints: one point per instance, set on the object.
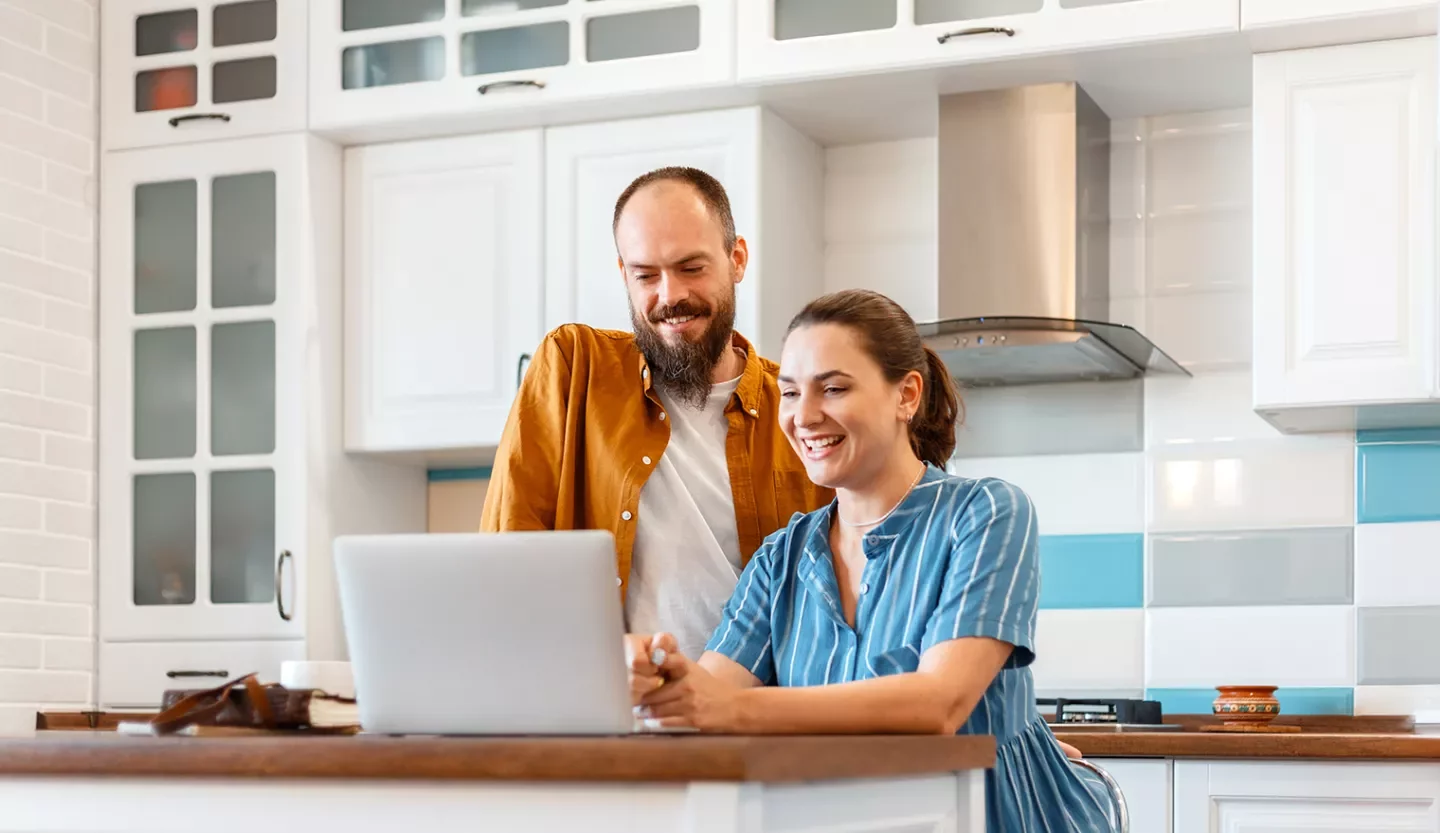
(807, 411)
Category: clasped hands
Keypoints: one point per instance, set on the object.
(677, 691)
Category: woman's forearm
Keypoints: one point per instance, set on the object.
(917, 703)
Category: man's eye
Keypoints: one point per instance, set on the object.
(834, 390)
(788, 394)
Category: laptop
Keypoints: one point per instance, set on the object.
(515, 633)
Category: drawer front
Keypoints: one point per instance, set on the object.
(135, 675)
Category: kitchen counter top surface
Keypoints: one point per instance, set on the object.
(656, 758)
(1304, 744)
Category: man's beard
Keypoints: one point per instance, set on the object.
(685, 370)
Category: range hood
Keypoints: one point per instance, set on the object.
(1024, 267)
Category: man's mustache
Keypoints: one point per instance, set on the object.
(678, 310)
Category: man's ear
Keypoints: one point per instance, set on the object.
(620, 264)
(740, 258)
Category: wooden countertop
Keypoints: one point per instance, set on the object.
(660, 758)
(1305, 744)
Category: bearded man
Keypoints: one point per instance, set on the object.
(667, 436)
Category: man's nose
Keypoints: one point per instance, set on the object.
(672, 290)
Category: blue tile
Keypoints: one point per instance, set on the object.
(1398, 435)
(1398, 482)
(1092, 571)
(442, 475)
(1292, 700)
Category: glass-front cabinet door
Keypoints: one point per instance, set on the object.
(187, 70)
(800, 39)
(378, 61)
(201, 513)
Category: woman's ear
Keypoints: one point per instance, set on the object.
(912, 393)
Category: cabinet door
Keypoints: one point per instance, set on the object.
(201, 300)
(443, 288)
(797, 39)
(586, 169)
(1344, 224)
(1146, 785)
(379, 61)
(1316, 797)
(178, 71)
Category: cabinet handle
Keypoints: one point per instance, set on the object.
(175, 121)
(978, 30)
(496, 85)
(175, 675)
(520, 369)
(279, 597)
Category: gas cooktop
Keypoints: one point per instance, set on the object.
(1103, 715)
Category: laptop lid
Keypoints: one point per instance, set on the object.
(497, 634)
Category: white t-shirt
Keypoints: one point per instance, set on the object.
(686, 558)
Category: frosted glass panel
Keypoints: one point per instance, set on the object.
(252, 22)
(165, 246)
(811, 18)
(637, 34)
(166, 32)
(163, 539)
(165, 393)
(164, 89)
(242, 388)
(470, 8)
(375, 14)
(398, 62)
(522, 47)
(943, 11)
(242, 240)
(248, 80)
(242, 537)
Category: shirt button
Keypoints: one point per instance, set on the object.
(864, 588)
(644, 373)
(646, 459)
(754, 412)
(662, 414)
(618, 582)
(626, 515)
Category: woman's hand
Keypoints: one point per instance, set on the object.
(692, 696)
(640, 655)
(1070, 751)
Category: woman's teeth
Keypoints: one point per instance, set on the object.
(824, 442)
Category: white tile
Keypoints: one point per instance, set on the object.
(1284, 646)
(18, 512)
(23, 409)
(46, 686)
(1202, 331)
(69, 654)
(19, 582)
(1251, 485)
(78, 519)
(1198, 168)
(1199, 251)
(1127, 258)
(882, 191)
(75, 586)
(22, 28)
(38, 549)
(1396, 699)
(18, 443)
(1089, 649)
(1074, 494)
(69, 386)
(44, 482)
(20, 375)
(1214, 408)
(45, 346)
(21, 236)
(1397, 564)
(18, 652)
(905, 271)
(21, 306)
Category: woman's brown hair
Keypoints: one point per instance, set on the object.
(887, 333)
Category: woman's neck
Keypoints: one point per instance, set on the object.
(882, 493)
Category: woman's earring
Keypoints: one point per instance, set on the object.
(909, 418)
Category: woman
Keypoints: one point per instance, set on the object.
(906, 605)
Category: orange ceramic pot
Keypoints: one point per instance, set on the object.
(1247, 704)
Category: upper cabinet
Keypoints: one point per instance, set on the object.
(797, 39)
(1292, 24)
(380, 61)
(1345, 286)
(178, 71)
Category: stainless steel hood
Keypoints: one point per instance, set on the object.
(1024, 212)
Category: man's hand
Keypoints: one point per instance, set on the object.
(640, 655)
(692, 696)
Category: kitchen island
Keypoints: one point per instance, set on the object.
(103, 782)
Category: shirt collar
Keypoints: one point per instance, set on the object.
(751, 378)
(877, 541)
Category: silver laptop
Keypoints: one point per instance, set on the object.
(516, 633)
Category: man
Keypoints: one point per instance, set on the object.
(667, 436)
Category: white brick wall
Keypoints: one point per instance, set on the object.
(48, 125)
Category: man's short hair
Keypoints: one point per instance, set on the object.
(709, 188)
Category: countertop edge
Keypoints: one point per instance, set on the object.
(1319, 746)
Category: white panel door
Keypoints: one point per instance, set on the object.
(586, 169)
(204, 294)
(1309, 796)
(1344, 224)
(443, 288)
(189, 70)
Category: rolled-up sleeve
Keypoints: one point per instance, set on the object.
(745, 629)
(991, 586)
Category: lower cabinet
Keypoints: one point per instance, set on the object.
(1310, 796)
(1146, 784)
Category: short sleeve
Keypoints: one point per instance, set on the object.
(991, 586)
(744, 632)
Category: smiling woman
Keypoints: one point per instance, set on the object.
(906, 605)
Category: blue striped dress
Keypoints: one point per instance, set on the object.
(957, 558)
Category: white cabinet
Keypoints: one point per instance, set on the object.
(1345, 288)
(772, 174)
(443, 288)
(1292, 24)
(1146, 784)
(189, 70)
(380, 61)
(1316, 797)
(222, 480)
(797, 39)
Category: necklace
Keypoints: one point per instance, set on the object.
(882, 518)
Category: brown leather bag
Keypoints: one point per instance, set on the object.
(242, 703)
